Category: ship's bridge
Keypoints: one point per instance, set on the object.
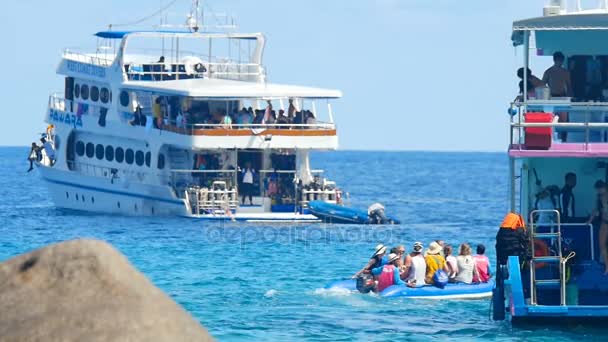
(564, 110)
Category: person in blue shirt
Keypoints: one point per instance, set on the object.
(388, 274)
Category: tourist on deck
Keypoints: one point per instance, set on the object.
(310, 118)
(533, 82)
(34, 155)
(179, 120)
(139, 119)
(49, 150)
(282, 119)
(547, 199)
(248, 174)
(601, 213)
(567, 201)
(434, 262)
(375, 261)
(291, 110)
(157, 112)
(267, 113)
(227, 122)
(388, 274)
(557, 77)
(482, 266)
(417, 269)
(451, 262)
(466, 265)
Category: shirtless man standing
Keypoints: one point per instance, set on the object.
(557, 77)
(558, 80)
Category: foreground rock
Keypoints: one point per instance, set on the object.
(85, 290)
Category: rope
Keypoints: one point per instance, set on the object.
(146, 17)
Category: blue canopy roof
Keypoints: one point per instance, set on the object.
(121, 34)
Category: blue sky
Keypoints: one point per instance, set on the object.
(416, 74)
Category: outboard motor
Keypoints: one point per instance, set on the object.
(365, 283)
(376, 214)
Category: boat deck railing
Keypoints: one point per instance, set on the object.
(103, 60)
(179, 71)
(574, 123)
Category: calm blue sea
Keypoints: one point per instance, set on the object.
(260, 282)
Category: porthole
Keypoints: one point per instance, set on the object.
(94, 93)
(77, 90)
(148, 158)
(118, 204)
(135, 207)
(84, 92)
(80, 148)
(67, 195)
(152, 210)
(139, 158)
(99, 151)
(92, 199)
(119, 154)
(129, 155)
(161, 161)
(90, 150)
(82, 198)
(104, 95)
(77, 197)
(124, 98)
(109, 153)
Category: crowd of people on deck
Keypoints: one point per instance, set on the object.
(563, 200)
(166, 111)
(420, 267)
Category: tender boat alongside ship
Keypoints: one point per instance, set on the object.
(564, 282)
(142, 129)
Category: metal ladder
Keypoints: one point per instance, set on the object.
(554, 234)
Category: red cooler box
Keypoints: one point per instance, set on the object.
(538, 138)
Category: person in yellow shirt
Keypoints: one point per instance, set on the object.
(434, 261)
(158, 114)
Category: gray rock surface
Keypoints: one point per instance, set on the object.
(85, 290)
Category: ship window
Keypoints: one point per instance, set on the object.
(109, 153)
(67, 195)
(161, 161)
(148, 157)
(77, 90)
(84, 92)
(99, 151)
(80, 148)
(90, 150)
(77, 197)
(139, 158)
(124, 98)
(120, 154)
(129, 156)
(92, 199)
(94, 93)
(104, 95)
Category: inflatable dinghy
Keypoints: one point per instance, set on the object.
(451, 291)
(333, 213)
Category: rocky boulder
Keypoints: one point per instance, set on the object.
(85, 290)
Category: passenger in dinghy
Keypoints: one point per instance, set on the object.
(388, 274)
(375, 261)
(417, 268)
(434, 262)
(466, 265)
(482, 265)
(451, 262)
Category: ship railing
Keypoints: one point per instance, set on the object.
(58, 102)
(176, 71)
(587, 122)
(191, 129)
(99, 60)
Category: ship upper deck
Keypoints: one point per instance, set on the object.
(563, 111)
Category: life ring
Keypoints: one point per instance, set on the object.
(540, 249)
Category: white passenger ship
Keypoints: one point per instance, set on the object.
(165, 122)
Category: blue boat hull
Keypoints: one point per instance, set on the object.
(451, 291)
(332, 213)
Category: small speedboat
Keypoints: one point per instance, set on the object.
(450, 291)
(333, 213)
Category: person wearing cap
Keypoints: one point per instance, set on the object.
(388, 274)
(417, 266)
(434, 261)
(375, 261)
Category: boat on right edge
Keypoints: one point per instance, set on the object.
(558, 170)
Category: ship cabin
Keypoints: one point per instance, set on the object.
(192, 111)
(558, 155)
